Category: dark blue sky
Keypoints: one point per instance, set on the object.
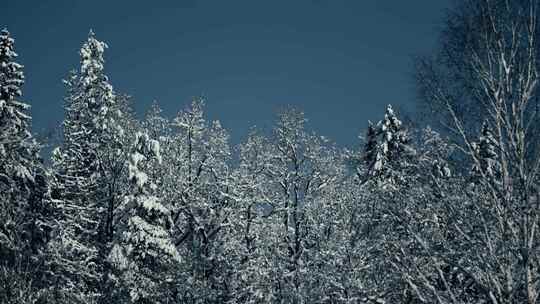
(339, 61)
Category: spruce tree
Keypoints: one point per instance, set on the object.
(370, 150)
(145, 256)
(24, 208)
(390, 154)
(81, 188)
(15, 146)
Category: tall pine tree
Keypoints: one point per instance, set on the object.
(81, 178)
(23, 185)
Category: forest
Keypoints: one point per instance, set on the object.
(441, 207)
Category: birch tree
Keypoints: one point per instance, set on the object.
(497, 245)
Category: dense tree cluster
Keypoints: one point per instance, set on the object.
(162, 210)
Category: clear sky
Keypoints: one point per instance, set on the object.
(339, 61)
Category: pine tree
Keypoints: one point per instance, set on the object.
(392, 155)
(15, 146)
(395, 141)
(82, 193)
(145, 256)
(14, 120)
(24, 208)
(370, 150)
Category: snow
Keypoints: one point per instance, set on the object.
(152, 204)
(155, 148)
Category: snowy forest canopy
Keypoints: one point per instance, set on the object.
(160, 210)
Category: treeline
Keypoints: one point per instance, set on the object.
(161, 210)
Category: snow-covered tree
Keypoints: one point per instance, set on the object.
(88, 167)
(16, 149)
(486, 152)
(290, 172)
(159, 128)
(488, 238)
(388, 150)
(371, 153)
(389, 170)
(14, 120)
(24, 205)
(199, 178)
(145, 257)
(155, 123)
(251, 202)
(435, 153)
